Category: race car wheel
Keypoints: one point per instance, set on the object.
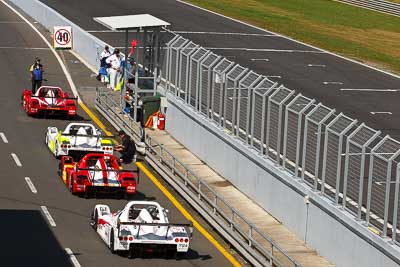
(56, 149)
(71, 184)
(112, 248)
(95, 217)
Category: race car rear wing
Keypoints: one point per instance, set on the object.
(188, 227)
(110, 170)
(89, 136)
(57, 97)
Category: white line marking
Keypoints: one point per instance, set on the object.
(370, 90)
(30, 184)
(317, 65)
(63, 67)
(289, 38)
(259, 59)
(274, 76)
(16, 159)
(333, 83)
(381, 112)
(4, 138)
(72, 257)
(48, 216)
(11, 22)
(265, 50)
(198, 32)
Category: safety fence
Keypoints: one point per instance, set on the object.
(376, 5)
(257, 247)
(344, 160)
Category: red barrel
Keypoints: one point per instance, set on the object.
(161, 121)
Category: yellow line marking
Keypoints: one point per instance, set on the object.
(95, 119)
(374, 230)
(187, 215)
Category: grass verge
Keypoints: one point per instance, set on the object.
(357, 33)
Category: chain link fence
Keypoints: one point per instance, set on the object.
(344, 160)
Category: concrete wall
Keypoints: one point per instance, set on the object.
(331, 231)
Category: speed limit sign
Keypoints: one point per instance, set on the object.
(62, 37)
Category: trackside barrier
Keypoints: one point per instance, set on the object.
(255, 245)
(376, 5)
(303, 136)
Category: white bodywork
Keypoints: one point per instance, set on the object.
(123, 237)
(77, 137)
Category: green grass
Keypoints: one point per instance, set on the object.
(368, 36)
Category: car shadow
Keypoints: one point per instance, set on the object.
(99, 195)
(26, 239)
(190, 255)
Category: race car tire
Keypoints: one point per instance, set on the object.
(71, 184)
(112, 248)
(59, 171)
(56, 151)
(95, 217)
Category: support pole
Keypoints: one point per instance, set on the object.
(156, 61)
(125, 68)
(136, 77)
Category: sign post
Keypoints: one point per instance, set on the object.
(62, 37)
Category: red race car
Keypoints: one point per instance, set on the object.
(97, 173)
(49, 100)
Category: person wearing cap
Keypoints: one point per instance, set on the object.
(115, 68)
(127, 148)
(36, 73)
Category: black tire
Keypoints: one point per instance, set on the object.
(95, 217)
(112, 249)
(59, 171)
(71, 184)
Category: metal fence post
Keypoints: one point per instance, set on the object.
(396, 204)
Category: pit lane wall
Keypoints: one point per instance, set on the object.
(320, 224)
(323, 226)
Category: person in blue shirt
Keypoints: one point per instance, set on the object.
(36, 71)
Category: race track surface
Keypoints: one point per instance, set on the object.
(27, 236)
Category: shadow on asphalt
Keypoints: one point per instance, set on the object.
(28, 241)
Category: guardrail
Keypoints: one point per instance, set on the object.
(376, 5)
(255, 245)
(330, 152)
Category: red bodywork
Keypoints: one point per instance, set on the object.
(93, 174)
(48, 99)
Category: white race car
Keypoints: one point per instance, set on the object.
(77, 138)
(142, 226)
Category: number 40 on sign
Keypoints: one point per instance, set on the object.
(62, 37)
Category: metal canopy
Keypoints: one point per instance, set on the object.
(131, 22)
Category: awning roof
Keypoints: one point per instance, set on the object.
(130, 22)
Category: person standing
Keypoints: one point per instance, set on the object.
(103, 65)
(115, 68)
(127, 148)
(36, 71)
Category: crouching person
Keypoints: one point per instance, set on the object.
(127, 148)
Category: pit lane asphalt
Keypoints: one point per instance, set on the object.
(27, 238)
(292, 67)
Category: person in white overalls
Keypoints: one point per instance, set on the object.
(115, 68)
